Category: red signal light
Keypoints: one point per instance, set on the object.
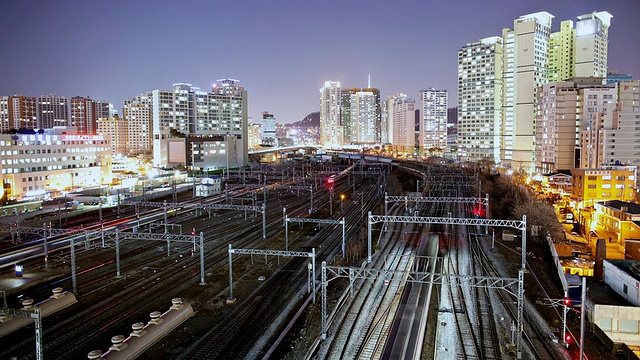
(567, 338)
(331, 180)
(566, 301)
(479, 210)
(193, 232)
(15, 224)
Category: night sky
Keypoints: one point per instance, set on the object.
(281, 51)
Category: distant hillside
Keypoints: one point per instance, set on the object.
(311, 120)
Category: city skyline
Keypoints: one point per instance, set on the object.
(281, 52)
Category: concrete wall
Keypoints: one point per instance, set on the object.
(617, 279)
(618, 322)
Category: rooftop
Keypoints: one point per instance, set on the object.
(603, 294)
(632, 208)
(631, 267)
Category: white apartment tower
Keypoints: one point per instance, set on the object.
(591, 48)
(331, 132)
(401, 118)
(366, 117)
(433, 121)
(526, 50)
(480, 100)
(172, 114)
(137, 113)
(204, 130)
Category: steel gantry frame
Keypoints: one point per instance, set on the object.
(162, 237)
(431, 199)
(410, 276)
(262, 209)
(287, 220)
(266, 253)
(300, 187)
(516, 224)
(31, 313)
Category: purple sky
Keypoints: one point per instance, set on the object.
(281, 51)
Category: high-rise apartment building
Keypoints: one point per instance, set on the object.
(562, 62)
(433, 121)
(114, 130)
(401, 117)
(360, 115)
(619, 140)
(452, 133)
(580, 52)
(4, 114)
(331, 131)
(253, 136)
(365, 118)
(104, 109)
(531, 57)
(205, 130)
(386, 121)
(348, 116)
(268, 129)
(591, 48)
(595, 102)
(83, 114)
(22, 112)
(525, 62)
(557, 127)
(53, 110)
(569, 117)
(137, 113)
(480, 100)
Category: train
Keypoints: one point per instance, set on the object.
(21, 207)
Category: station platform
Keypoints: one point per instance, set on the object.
(12, 285)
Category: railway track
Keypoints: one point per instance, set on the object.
(82, 331)
(537, 341)
(266, 318)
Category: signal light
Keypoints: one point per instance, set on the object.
(330, 180)
(479, 211)
(193, 232)
(567, 338)
(15, 224)
(566, 301)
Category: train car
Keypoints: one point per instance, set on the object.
(574, 285)
(21, 207)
